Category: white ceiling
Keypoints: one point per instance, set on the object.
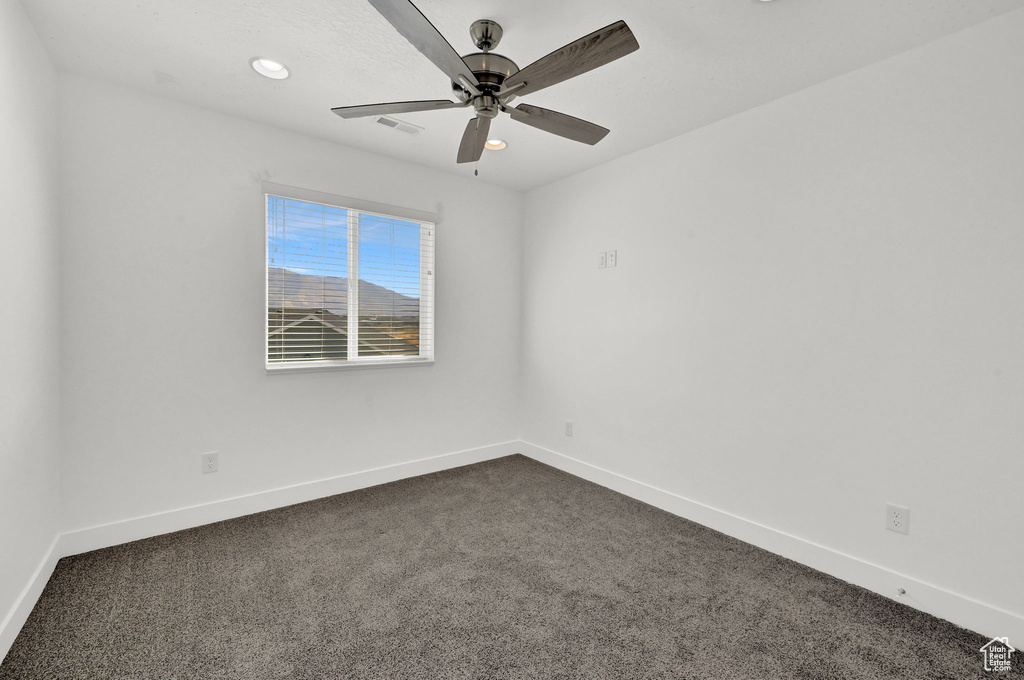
(699, 61)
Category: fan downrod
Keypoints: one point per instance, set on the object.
(490, 68)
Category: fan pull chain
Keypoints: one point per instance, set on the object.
(476, 169)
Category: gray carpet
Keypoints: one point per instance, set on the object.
(505, 569)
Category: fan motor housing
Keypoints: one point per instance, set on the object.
(490, 69)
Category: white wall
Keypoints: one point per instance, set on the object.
(817, 309)
(163, 300)
(29, 389)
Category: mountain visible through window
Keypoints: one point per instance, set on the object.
(346, 286)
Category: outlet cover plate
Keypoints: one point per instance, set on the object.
(211, 462)
(897, 518)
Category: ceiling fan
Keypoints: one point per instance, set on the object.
(488, 81)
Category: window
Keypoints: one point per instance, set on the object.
(346, 286)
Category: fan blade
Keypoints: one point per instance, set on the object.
(558, 124)
(418, 30)
(473, 140)
(586, 54)
(395, 107)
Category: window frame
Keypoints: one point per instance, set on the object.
(427, 220)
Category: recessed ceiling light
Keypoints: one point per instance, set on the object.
(270, 68)
(495, 144)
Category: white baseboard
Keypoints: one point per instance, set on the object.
(136, 528)
(16, 617)
(987, 619)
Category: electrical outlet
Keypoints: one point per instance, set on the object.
(568, 428)
(897, 518)
(602, 260)
(613, 257)
(211, 461)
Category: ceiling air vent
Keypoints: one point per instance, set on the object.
(401, 126)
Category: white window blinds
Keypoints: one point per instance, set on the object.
(346, 286)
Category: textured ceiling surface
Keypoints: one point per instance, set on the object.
(699, 61)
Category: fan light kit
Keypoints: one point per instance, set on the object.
(495, 144)
(270, 68)
(488, 81)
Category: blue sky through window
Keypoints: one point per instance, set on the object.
(312, 238)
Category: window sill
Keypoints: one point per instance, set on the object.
(314, 366)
